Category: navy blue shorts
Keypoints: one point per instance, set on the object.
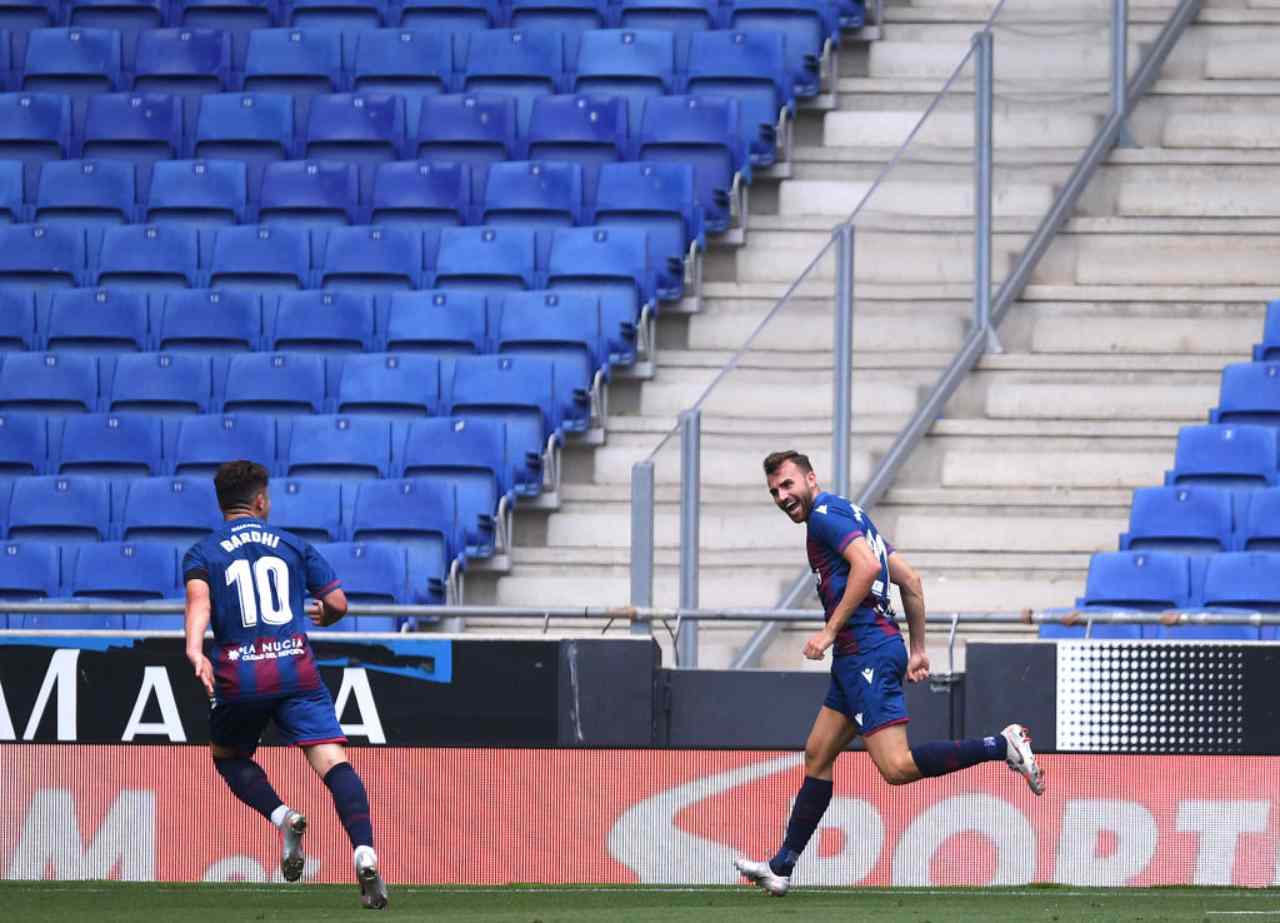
(868, 687)
(302, 718)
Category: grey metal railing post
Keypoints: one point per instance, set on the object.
(842, 341)
(642, 504)
(984, 92)
(1120, 69)
(690, 510)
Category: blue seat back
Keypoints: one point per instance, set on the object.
(533, 193)
(1250, 394)
(149, 256)
(161, 383)
(488, 258)
(1148, 580)
(364, 128)
(410, 63)
(420, 513)
(130, 445)
(438, 322)
(1258, 520)
(170, 509)
(261, 258)
(590, 131)
(30, 570)
(1188, 519)
(522, 64)
(310, 508)
(208, 193)
(208, 320)
(421, 193)
(343, 446)
(372, 259)
(187, 62)
(45, 256)
(86, 192)
(635, 64)
(139, 127)
(257, 128)
(705, 132)
(124, 570)
(35, 127)
(1225, 454)
(17, 318)
(97, 321)
(330, 322)
(203, 443)
(300, 62)
(473, 128)
(24, 445)
(275, 383)
(389, 385)
(49, 382)
(311, 192)
(62, 509)
(77, 61)
(371, 572)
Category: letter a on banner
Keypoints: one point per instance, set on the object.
(156, 680)
(62, 673)
(356, 680)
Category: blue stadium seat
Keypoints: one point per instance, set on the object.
(128, 445)
(12, 191)
(372, 259)
(35, 128)
(208, 321)
(275, 383)
(124, 570)
(373, 572)
(139, 127)
(1150, 581)
(161, 383)
(41, 256)
(445, 16)
(300, 62)
(236, 17)
(604, 262)
(24, 444)
(331, 322)
(441, 323)
(204, 193)
(808, 27)
(203, 443)
(261, 258)
(49, 383)
(570, 18)
(185, 62)
(339, 446)
(417, 513)
(1226, 455)
(257, 128)
(60, 509)
(170, 509)
(29, 571)
(149, 256)
(1185, 519)
(418, 193)
(86, 193)
(515, 62)
(561, 326)
(636, 65)
(1258, 520)
(1250, 394)
(128, 17)
(17, 318)
(518, 391)
(661, 200)
(702, 131)
(310, 192)
(361, 128)
(533, 194)
(389, 385)
(590, 131)
(683, 17)
(343, 15)
(96, 321)
(475, 129)
(1244, 580)
(751, 67)
(310, 508)
(25, 15)
(487, 258)
(78, 62)
(412, 64)
(472, 455)
(1269, 348)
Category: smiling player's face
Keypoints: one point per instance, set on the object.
(793, 490)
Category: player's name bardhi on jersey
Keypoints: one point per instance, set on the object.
(263, 538)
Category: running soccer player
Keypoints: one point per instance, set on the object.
(855, 565)
(247, 579)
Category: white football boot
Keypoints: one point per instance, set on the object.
(292, 858)
(1020, 758)
(760, 873)
(373, 890)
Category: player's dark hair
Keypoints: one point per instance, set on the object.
(775, 460)
(237, 483)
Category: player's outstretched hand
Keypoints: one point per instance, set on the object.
(204, 673)
(918, 667)
(816, 647)
(315, 612)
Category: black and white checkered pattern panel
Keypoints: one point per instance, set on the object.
(1150, 697)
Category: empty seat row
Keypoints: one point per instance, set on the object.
(1156, 581)
(371, 572)
(704, 133)
(1226, 455)
(1202, 519)
(376, 258)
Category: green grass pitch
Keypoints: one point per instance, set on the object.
(194, 903)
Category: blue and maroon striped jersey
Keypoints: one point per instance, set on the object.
(258, 580)
(834, 522)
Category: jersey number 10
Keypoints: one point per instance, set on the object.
(263, 588)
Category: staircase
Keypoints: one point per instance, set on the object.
(1156, 283)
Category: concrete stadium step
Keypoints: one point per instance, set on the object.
(871, 128)
(955, 199)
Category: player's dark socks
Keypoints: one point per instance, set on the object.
(249, 783)
(811, 804)
(352, 802)
(943, 756)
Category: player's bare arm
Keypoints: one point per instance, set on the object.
(199, 610)
(911, 587)
(328, 609)
(864, 570)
